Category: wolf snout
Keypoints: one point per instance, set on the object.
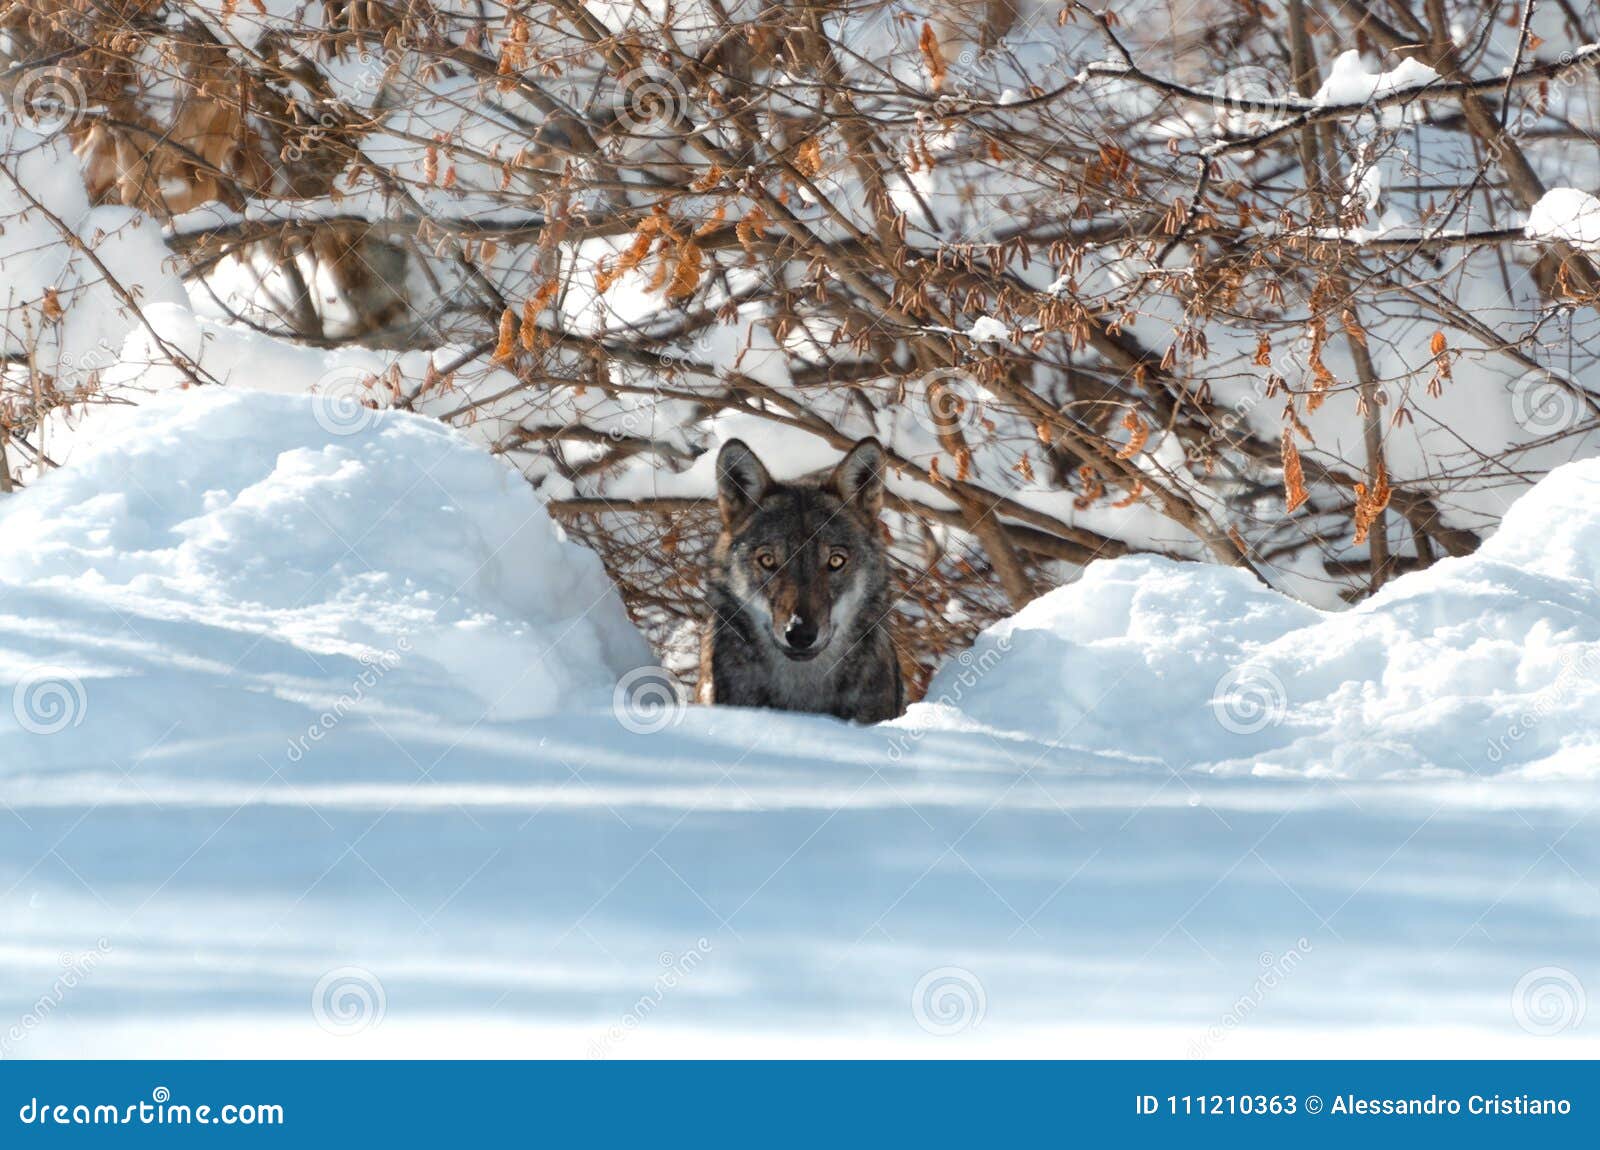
(800, 638)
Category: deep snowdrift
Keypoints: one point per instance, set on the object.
(279, 537)
(1476, 666)
(307, 745)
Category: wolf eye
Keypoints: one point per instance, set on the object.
(766, 560)
(837, 560)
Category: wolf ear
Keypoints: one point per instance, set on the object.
(741, 480)
(859, 477)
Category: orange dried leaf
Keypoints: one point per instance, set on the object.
(751, 228)
(528, 334)
(708, 180)
(1138, 433)
(687, 276)
(1132, 497)
(932, 56)
(1294, 480)
(713, 221)
(1352, 327)
(808, 158)
(506, 347)
(1371, 504)
(1093, 489)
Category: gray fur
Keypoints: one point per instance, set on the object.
(801, 635)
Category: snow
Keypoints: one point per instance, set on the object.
(1568, 215)
(339, 534)
(1474, 668)
(1349, 82)
(1115, 817)
(989, 329)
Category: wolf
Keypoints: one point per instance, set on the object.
(798, 592)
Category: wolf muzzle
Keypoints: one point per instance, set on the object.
(800, 640)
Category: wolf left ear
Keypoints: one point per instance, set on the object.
(859, 477)
(741, 480)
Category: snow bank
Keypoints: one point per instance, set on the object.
(1566, 214)
(1477, 666)
(267, 536)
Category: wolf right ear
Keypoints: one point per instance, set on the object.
(859, 477)
(741, 480)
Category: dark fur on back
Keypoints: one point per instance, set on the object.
(799, 592)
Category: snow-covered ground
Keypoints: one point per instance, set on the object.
(309, 744)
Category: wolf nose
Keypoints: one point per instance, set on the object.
(800, 635)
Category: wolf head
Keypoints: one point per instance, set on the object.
(802, 559)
